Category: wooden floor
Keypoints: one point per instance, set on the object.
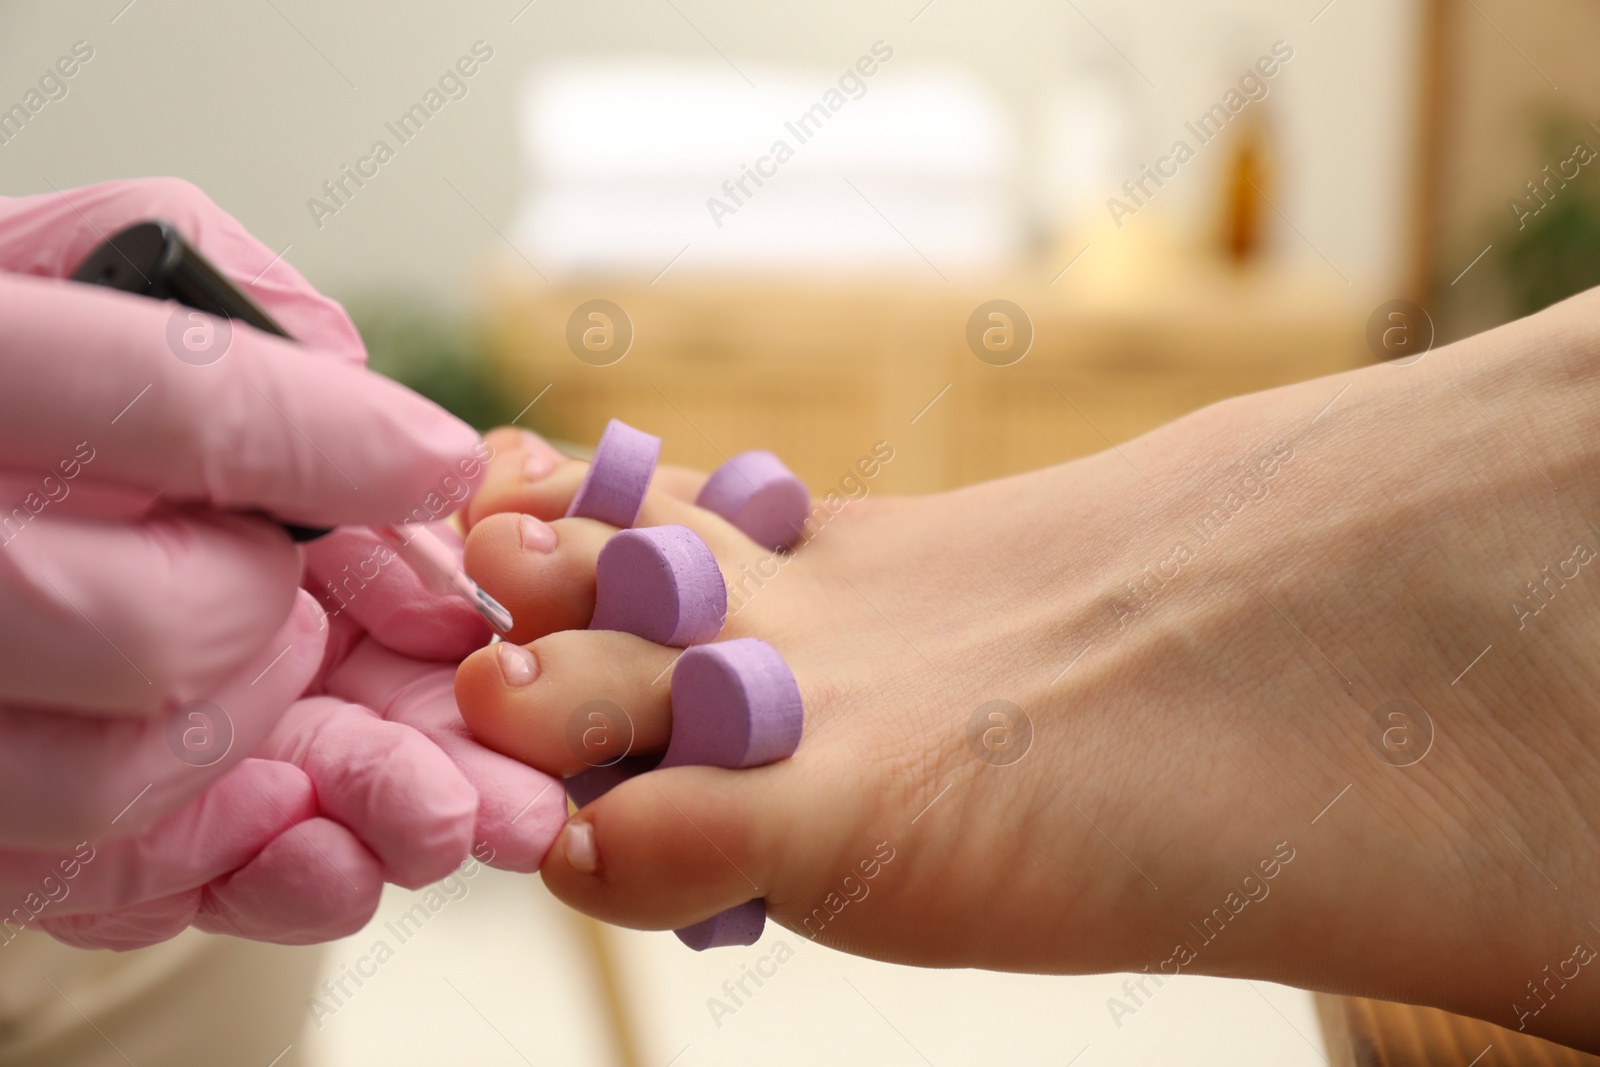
(1372, 1033)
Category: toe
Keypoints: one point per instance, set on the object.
(542, 572)
(510, 489)
(528, 476)
(525, 473)
(527, 483)
(569, 701)
(680, 483)
(668, 849)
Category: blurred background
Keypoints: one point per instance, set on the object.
(999, 234)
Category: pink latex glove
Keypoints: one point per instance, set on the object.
(391, 761)
(132, 581)
(405, 643)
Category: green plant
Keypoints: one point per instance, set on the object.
(1557, 253)
(434, 352)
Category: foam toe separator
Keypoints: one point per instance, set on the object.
(740, 925)
(662, 584)
(619, 474)
(760, 496)
(735, 704)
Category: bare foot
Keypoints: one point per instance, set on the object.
(1302, 687)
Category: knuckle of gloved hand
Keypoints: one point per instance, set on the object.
(313, 318)
(177, 200)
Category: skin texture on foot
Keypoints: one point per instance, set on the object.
(1302, 687)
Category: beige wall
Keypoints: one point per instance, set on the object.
(239, 100)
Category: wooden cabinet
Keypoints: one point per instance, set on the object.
(818, 372)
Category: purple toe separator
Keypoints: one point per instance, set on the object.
(739, 925)
(660, 583)
(742, 707)
(585, 787)
(760, 496)
(613, 488)
(735, 703)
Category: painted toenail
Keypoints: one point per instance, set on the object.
(536, 536)
(516, 664)
(581, 851)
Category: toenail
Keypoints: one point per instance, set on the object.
(581, 851)
(542, 458)
(536, 536)
(538, 466)
(517, 664)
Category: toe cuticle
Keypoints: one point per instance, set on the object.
(536, 536)
(580, 847)
(517, 664)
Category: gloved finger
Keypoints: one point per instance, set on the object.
(313, 883)
(66, 492)
(264, 424)
(297, 890)
(129, 618)
(356, 573)
(520, 810)
(385, 782)
(213, 835)
(66, 778)
(140, 926)
(305, 890)
(51, 233)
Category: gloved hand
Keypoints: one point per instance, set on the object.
(132, 583)
(401, 789)
(405, 643)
